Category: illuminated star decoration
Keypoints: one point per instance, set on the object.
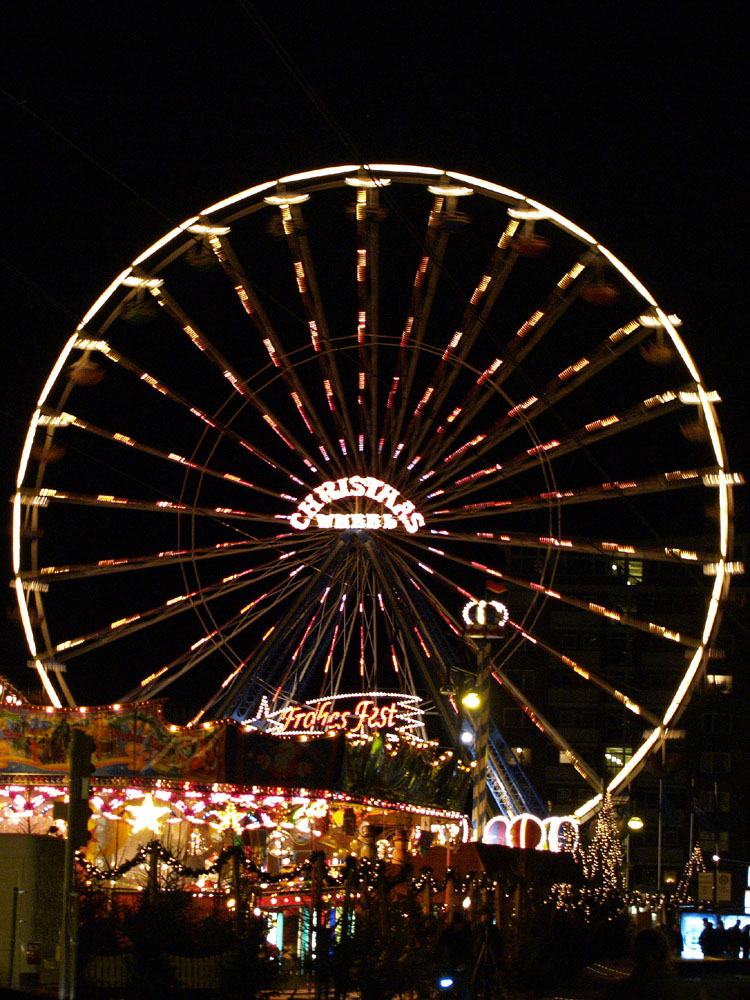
(147, 815)
(229, 819)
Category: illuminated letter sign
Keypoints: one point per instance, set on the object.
(398, 511)
(496, 831)
(359, 715)
(554, 825)
(475, 613)
(526, 830)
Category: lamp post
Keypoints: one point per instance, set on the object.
(635, 825)
(485, 621)
(716, 859)
(478, 702)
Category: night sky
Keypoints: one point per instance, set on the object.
(121, 119)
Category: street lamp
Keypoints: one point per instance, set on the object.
(716, 859)
(471, 700)
(635, 825)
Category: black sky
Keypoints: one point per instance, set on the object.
(121, 119)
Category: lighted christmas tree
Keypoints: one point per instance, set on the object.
(603, 859)
(696, 863)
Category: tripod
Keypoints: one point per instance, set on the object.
(486, 982)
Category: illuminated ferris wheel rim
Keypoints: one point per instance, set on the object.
(295, 188)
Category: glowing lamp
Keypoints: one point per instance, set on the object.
(635, 823)
(448, 190)
(285, 199)
(471, 700)
(527, 212)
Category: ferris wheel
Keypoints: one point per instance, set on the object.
(301, 432)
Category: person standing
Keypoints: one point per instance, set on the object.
(707, 939)
(653, 976)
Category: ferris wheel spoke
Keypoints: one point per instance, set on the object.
(307, 286)
(591, 433)
(123, 439)
(573, 377)
(330, 611)
(588, 774)
(175, 605)
(615, 490)
(230, 374)
(459, 347)
(279, 359)
(430, 650)
(587, 675)
(423, 290)
(541, 321)
(291, 616)
(216, 639)
(125, 564)
(367, 214)
(412, 565)
(245, 669)
(408, 637)
(300, 667)
(345, 635)
(305, 661)
(515, 351)
(164, 390)
(423, 297)
(591, 546)
(612, 424)
(167, 675)
(591, 607)
(44, 497)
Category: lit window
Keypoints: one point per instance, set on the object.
(719, 682)
(629, 570)
(617, 757)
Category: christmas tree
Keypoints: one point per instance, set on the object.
(686, 886)
(603, 859)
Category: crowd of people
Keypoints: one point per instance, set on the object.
(724, 942)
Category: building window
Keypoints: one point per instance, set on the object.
(711, 802)
(719, 723)
(628, 570)
(710, 841)
(721, 683)
(523, 679)
(522, 755)
(512, 718)
(617, 757)
(715, 762)
(571, 718)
